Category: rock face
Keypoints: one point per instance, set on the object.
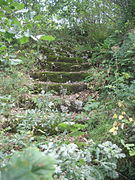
(64, 75)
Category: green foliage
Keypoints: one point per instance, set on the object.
(130, 148)
(91, 104)
(38, 122)
(74, 129)
(13, 83)
(23, 40)
(84, 29)
(6, 103)
(87, 22)
(96, 161)
(30, 164)
(47, 38)
(16, 30)
(127, 9)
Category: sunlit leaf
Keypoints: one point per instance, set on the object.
(15, 61)
(17, 6)
(47, 38)
(16, 22)
(115, 116)
(24, 40)
(22, 11)
(132, 152)
(2, 48)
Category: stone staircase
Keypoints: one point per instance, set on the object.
(64, 75)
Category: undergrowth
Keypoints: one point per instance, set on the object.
(40, 138)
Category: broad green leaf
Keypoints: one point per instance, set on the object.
(2, 48)
(80, 126)
(37, 18)
(16, 22)
(17, 6)
(63, 126)
(132, 152)
(47, 38)
(23, 40)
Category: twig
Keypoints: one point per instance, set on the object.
(123, 176)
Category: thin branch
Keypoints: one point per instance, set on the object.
(109, 17)
(123, 176)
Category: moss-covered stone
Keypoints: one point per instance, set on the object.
(60, 88)
(60, 77)
(61, 72)
(65, 59)
(67, 67)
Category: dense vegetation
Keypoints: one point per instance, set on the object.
(48, 133)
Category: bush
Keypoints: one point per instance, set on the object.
(95, 162)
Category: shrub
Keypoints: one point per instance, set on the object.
(95, 162)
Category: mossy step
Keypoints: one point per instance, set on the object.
(60, 77)
(62, 66)
(60, 88)
(65, 59)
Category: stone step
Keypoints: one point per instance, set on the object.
(60, 88)
(66, 67)
(65, 59)
(59, 77)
